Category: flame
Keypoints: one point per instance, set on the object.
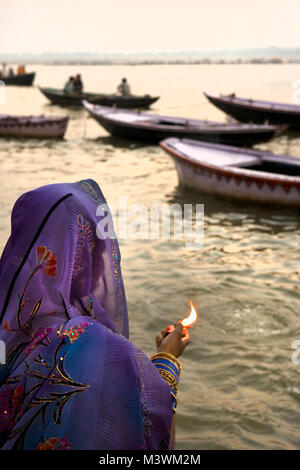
(190, 320)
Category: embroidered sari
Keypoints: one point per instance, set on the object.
(72, 379)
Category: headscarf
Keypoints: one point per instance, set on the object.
(72, 379)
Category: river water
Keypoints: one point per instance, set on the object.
(239, 387)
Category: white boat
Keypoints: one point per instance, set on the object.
(237, 173)
(33, 126)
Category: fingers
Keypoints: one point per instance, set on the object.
(185, 338)
(158, 339)
(178, 329)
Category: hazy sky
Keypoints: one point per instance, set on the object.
(154, 25)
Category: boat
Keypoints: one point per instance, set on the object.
(33, 126)
(232, 172)
(125, 102)
(154, 128)
(24, 79)
(249, 110)
(59, 97)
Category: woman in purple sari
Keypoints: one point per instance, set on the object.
(72, 379)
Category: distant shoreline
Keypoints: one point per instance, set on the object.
(150, 62)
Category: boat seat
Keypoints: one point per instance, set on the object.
(218, 158)
(126, 117)
(244, 161)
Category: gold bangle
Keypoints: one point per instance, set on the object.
(175, 406)
(169, 378)
(174, 396)
(164, 355)
(168, 375)
(157, 364)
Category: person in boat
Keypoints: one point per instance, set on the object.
(21, 70)
(124, 88)
(77, 84)
(72, 379)
(69, 86)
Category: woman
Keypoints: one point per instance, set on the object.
(72, 379)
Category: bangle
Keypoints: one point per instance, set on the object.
(174, 402)
(172, 359)
(167, 365)
(170, 369)
(169, 378)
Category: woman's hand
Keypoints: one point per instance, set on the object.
(175, 342)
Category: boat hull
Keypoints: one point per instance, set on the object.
(33, 128)
(25, 79)
(155, 135)
(227, 183)
(246, 112)
(134, 102)
(62, 99)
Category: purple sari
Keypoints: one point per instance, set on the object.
(72, 379)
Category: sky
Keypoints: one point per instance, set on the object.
(98, 26)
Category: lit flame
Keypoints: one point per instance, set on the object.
(188, 321)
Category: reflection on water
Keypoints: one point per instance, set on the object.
(239, 387)
(119, 142)
(239, 210)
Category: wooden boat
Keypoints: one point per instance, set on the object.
(125, 102)
(25, 79)
(232, 172)
(248, 110)
(33, 126)
(153, 128)
(62, 99)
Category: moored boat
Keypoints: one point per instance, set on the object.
(24, 79)
(61, 98)
(154, 128)
(248, 110)
(125, 102)
(33, 126)
(242, 174)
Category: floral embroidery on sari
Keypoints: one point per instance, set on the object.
(65, 388)
(40, 336)
(74, 332)
(46, 260)
(13, 403)
(10, 407)
(54, 443)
